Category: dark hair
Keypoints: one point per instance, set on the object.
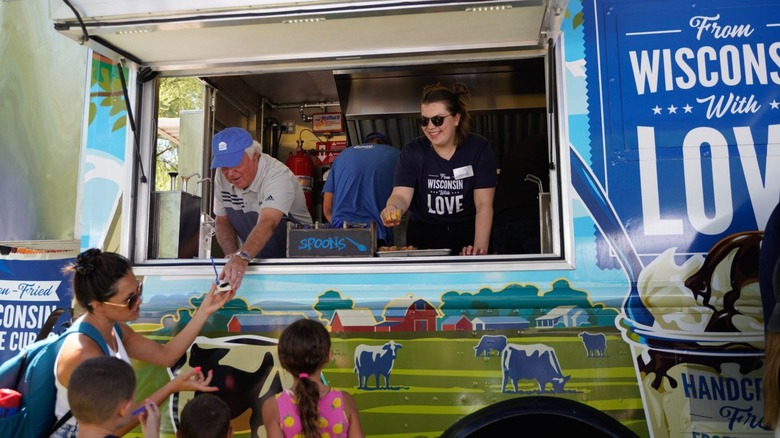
(95, 274)
(97, 387)
(205, 416)
(304, 347)
(376, 138)
(453, 100)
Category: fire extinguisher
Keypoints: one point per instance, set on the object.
(303, 167)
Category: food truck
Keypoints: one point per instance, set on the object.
(661, 129)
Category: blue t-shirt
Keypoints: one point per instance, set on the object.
(444, 189)
(361, 180)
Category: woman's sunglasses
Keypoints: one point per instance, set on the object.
(437, 120)
(132, 300)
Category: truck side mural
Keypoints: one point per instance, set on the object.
(671, 139)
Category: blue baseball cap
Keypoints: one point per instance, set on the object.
(376, 136)
(228, 147)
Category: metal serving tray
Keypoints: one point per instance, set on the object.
(414, 253)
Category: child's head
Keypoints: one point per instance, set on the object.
(304, 347)
(99, 388)
(205, 416)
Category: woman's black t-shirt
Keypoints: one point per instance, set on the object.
(444, 189)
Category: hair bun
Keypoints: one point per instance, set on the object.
(84, 269)
(85, 262)
(461, 89)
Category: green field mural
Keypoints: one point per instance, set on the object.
(437, 373)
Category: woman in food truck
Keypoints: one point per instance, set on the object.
(446, 179)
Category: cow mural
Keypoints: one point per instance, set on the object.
(375, 360)
(534, 361)
(595, 344)
(488, 343)
(246, 371)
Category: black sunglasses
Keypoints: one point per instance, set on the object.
(437, 120)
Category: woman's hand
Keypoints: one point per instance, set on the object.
(473, 250)
(214, 300)
(397, 204)
(194, 380)
(391, 216)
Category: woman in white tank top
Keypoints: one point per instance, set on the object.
(105, 286)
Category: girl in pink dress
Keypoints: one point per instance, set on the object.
(310, 409)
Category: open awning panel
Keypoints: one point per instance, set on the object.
(236, 36)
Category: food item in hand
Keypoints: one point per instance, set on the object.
(391, 215)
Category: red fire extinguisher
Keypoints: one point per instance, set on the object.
(303, 167)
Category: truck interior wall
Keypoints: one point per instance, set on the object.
(504, 129)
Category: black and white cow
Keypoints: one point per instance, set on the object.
(534, 361)
(246, 371)
(595, 344)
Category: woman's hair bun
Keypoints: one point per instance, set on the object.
(85, 262)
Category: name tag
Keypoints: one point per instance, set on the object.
(463, 172)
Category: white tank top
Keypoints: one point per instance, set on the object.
(62, 406)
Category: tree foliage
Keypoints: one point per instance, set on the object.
(179, 94)
(330, 301)
(176, 95)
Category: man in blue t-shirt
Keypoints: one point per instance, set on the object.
(359, 183)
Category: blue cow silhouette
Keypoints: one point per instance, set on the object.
(488, 343)
(375, 360)
(595, 344)
(536, 362)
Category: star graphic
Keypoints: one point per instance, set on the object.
(657, 110)
(672, 109)
(688, 108)
(775, 104)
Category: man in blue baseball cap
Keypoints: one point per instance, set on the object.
(254, 197)
(359, 183)
(228, 147)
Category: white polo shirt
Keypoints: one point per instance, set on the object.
(274, 186)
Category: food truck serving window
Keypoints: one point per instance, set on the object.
(307, 134)
(320, 77)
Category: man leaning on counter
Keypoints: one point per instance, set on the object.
(255, 195)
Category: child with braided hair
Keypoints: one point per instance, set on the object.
(309, 409)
